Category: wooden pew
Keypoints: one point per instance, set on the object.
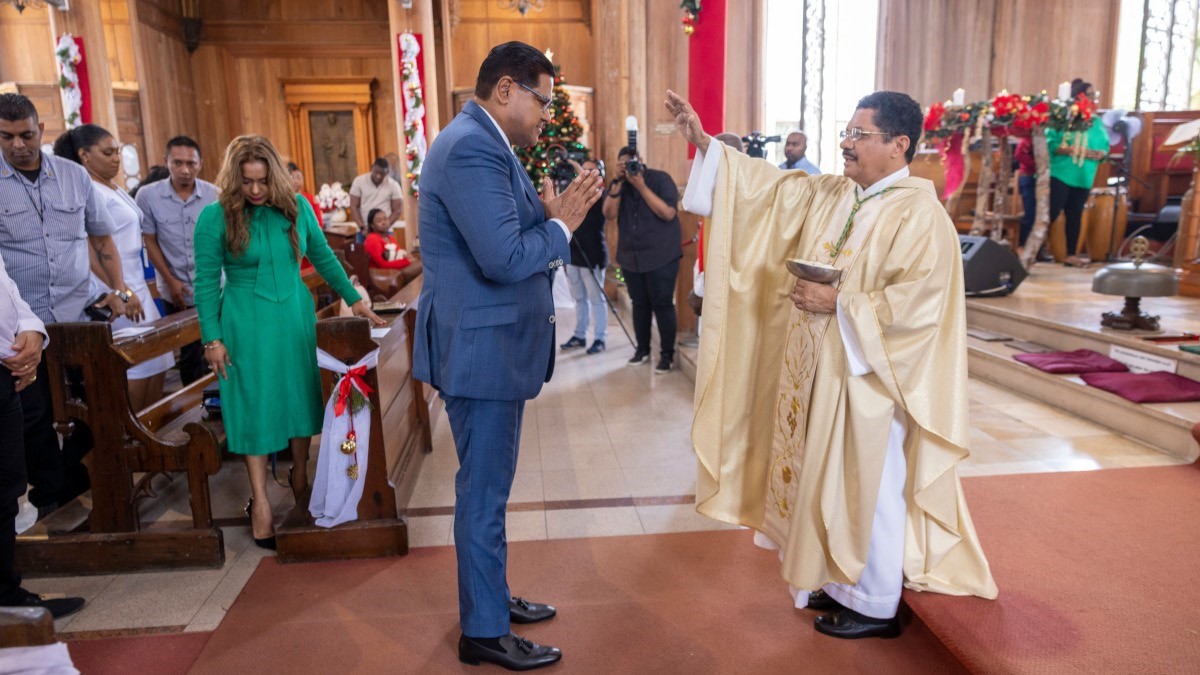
(380, 283)
(26, 627)
(100, 532)
(400, 438)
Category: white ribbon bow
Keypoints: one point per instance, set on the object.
(335, 495)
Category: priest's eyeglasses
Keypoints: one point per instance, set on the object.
(545, 101)
(854, 135)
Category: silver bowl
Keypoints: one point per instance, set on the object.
(809, 271)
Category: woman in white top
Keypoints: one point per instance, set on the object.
(100, 153)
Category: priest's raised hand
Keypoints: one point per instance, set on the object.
(687, 121)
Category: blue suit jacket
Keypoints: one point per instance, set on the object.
(485, 319)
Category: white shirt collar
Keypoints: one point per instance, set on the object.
(887, 182)
(503, 135)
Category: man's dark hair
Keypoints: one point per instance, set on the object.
(17, 107)
(292, 167)
(627, 151)
(517, 60)
(896, 114)
(83, 136)
(183, 142)
(381, 163)
(1079, 86)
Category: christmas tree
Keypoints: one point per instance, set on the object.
(563, 130)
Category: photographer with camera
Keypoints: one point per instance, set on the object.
(589, 257)
(642, 200)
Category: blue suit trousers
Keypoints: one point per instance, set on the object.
(486, 435)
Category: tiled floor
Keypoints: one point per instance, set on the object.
(605, 451)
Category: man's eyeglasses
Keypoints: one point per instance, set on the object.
(854, 135)
(545, 101)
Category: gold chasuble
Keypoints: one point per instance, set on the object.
(789, 443)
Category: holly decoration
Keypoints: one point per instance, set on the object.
(563, 130)
(691, 15)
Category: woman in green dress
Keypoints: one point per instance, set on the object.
(259, 329)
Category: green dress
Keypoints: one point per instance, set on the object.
(264, 315)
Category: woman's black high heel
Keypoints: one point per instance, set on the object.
(268, 542)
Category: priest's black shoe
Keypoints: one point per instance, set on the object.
(822, 602)
(521, 610)
(58, 607)
(510, 651)
(850, 625)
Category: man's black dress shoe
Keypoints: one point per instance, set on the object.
(521, 610)
(58, 607)
(822, 602)
(514, 653)
(850, 625)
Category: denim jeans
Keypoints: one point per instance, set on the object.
(587, 287)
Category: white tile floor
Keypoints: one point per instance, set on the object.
(599, 431)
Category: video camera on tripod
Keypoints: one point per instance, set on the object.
(756, 142)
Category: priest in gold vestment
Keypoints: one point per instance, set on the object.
(830, 417)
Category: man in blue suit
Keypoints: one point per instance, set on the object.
(485, 323)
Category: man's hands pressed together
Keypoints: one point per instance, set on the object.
(574, 202)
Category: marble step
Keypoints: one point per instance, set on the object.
(1167, 426)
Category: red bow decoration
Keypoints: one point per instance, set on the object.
(352, 377)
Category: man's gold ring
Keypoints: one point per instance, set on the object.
(33, 379)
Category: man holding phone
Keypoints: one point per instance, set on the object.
(49, 216)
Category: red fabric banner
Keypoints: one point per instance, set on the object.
(706, 68)
(85, 88)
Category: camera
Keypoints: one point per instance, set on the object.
(633, 165)
(561, 171)
(755, 142)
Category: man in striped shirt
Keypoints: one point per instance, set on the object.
(49, 216)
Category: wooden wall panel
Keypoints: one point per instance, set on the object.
(26, 46)
(744, 67)
(246, 49)
(561, 27)
(1069, 39)
(166, 89)
(118, 37)
(928, 48)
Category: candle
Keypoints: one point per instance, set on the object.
(1064, 91)
(959, 97)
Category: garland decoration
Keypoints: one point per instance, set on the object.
(691, 15)
(67, 54)
(414, 110)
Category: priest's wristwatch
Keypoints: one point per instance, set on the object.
(124, 295)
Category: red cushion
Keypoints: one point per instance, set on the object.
(1078, 361)
(1159, 387)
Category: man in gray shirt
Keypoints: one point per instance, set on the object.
(49, 216)
(169, 212)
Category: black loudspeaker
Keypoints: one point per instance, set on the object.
(988, 267)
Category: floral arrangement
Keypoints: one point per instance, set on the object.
(332, 197)
(414, 110)
(691, 15)
(67, 54)
(943, 121)
(1008, 114)
(1072, 116)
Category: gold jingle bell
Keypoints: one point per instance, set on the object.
(352, 472)
(349, 446)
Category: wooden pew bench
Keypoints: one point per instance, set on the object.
(400, 438)
(100, 532)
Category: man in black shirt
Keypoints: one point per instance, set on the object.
(648, 251)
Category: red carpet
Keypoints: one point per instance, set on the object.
(705, 602)
(1096, 569)
(144, 655)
